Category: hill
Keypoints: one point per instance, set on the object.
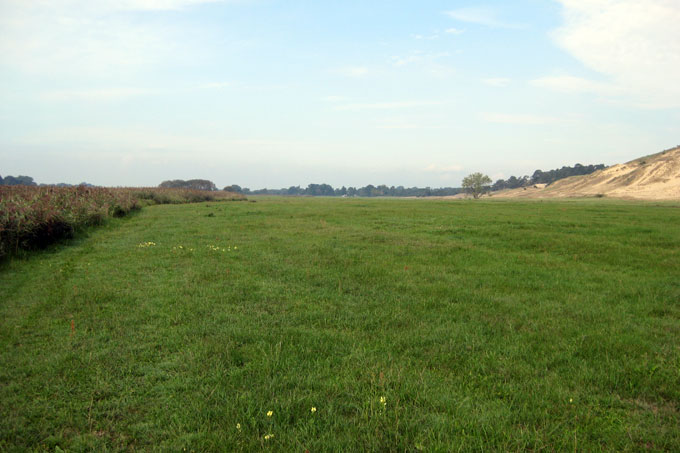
(653, 177)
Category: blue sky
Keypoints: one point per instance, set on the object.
(266, 93)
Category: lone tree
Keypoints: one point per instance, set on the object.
(476, 184)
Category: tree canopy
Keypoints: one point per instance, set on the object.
(476, 184)
(17, 181)
(545, 177)
(366, 191)
(198, 184)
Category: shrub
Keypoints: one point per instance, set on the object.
(33, 217)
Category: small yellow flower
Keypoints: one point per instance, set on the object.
(238, 426)
(571, 400)
(235, 248)
(313, 409)
(270, 413)
(383, 400)
(268, 436)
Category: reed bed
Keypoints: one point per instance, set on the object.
(33, 217)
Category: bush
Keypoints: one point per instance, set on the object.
(33, 217)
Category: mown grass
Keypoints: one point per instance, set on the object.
(505, 326)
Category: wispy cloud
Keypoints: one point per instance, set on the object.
(333, 98)
(498, 82)
(443, 168)
(425, 37)
(572, 84)
(518, 119)
(106, 94)
(418, 57)
(216, 85)
(636, 44)
(151, 5)
(454, 31)
(86, 37)
(405, 124)
(388, 105)
(354, 71)
(488, 17)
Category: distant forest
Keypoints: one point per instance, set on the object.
(326, 190)
(28, 181)
(17, 181)
(513, 182)
(545, 177)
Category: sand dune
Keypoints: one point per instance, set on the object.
(654, 177)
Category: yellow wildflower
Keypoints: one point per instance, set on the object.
(238, 426)
(270, 413)
(268, 436)
(313, 409)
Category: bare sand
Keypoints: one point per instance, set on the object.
(654, 177)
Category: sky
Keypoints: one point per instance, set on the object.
(274, 93)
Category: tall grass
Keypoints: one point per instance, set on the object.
(34, 217)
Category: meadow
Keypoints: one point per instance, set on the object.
(314, 324)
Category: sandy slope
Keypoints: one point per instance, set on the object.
(655, 177)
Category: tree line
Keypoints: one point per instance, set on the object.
(545, 177)
(17, 181)
(28, 181)
(326, 190)
(197, 184)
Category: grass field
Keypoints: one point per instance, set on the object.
(407, 324)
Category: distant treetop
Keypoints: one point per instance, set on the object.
(198, 184)
(17, 181)
(546, 177)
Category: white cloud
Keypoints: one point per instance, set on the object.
(439, 168)
(418, 57)
(85, 37)
(498, 82)
(144, 139)
(487, 17)
(107, 94)
(354, 71)
(454, 31)
(405, 124)
(333, 98)
(425, 37)
(151, 5)
(518, 119)
(430, 63)
(571, 84)
(387, 105)
(216, 85)
(635, 43)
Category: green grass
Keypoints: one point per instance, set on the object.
(493, 325)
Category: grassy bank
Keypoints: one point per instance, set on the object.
(33, 217)
(407, 324)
